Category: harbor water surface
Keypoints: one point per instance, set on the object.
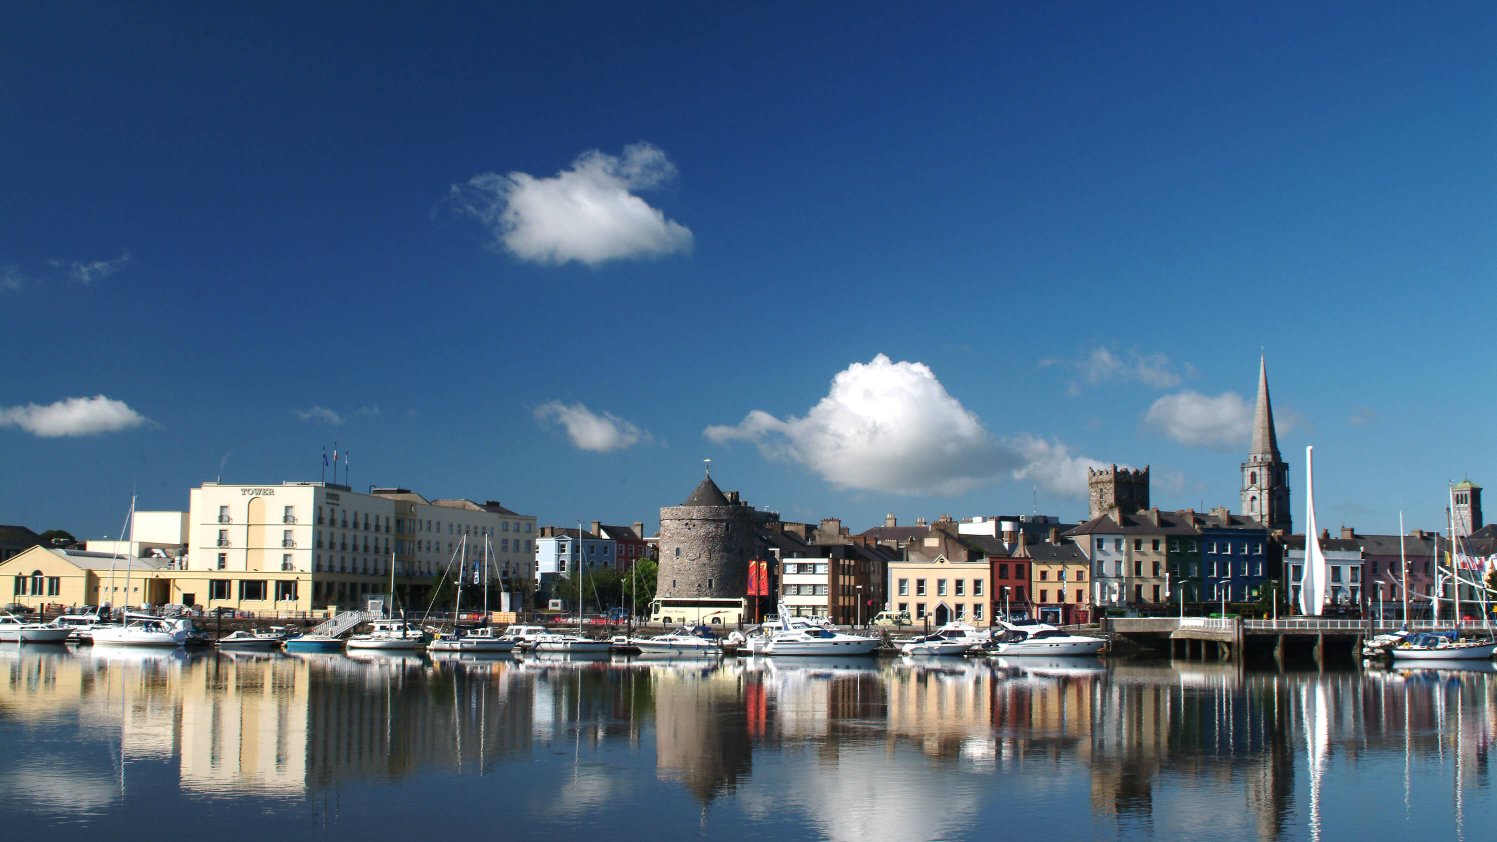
(130, 745)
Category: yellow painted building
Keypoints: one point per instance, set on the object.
(43, 577)
(942, 590)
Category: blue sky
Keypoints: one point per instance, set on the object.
(867, 258)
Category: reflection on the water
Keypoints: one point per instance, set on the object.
(857, 748)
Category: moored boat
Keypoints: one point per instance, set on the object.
(683, 641)
(389, 635)
(1044, 640)
(143, 631)
(15, 630)
(1442, 646)
(253, 639)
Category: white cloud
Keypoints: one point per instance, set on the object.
(72, 417)
(320, 413)
(1102, 365)
(1051, 466)
(11, 279)
(588, 213)
(96, 270)
(1198, 420)
(589, 430)
(892, 427)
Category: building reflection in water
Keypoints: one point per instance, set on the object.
(868, 748)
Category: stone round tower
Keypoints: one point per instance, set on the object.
(705, 545)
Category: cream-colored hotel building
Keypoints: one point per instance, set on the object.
(294, 547)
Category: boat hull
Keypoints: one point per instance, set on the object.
(471, 644)
(945, 648)
(128, 637)
(313, 643)
(268, 644)
(1453, 652)
(1069, 647)
(387, 644)
(826, 649)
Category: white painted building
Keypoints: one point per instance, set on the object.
(1343, 580)
(804, 586)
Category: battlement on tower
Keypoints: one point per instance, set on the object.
(1117, 491)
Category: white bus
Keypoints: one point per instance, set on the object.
(697, 611)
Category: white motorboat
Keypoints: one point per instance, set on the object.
(245, 640)
(683, 641)
(798, 636)
(389, 635)
(953, 642)
(477, 641)
(810, 640)
(1442, 646)
(1042, 639)
(15, 630)
(570, 644)
(525, 636)
(143, 631)
(80, 626)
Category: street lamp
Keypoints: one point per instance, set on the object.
(1221, 591)
(1380, 604)
(1006, 616)
(860, 606)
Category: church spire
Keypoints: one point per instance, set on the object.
(1265, 476)
(1265, 443)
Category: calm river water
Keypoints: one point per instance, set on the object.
(128, 745)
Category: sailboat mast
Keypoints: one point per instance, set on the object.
(1403, 571)
(1455, 575)
(125, 618)
(462, 573)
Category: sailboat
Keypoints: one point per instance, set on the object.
(482, 640)
(390, 633)
(1313, 581)
(578, 643)
(140, 630)
(1447, 645)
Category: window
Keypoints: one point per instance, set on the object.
(36, 583)
(961, 587)
(286, 562)
(1003, 571)
(218, 589)
(1156, 545)
(20, 586)
(285, 591)
(904, 608)
(1080, 596)
(961, 611)
(1081, 575)
(920, 588)
(223, 537)
(223, 514)
(1101, 544)
(919, 610)
(252, 589)
(289, 515)
(1018, 571)
(940, 587)
(977, 588)
(223, 560)
(977, 611)
(1117, 544)
(904, 587)
(1044, 595)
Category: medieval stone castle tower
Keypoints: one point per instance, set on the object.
(705, 545)
(1115, 490)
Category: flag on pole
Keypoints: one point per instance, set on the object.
(324, 456)
(753, 578)
(335, 453)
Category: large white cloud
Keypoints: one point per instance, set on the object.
(892, 427)
(72, 417)
(588, 430)
(1223, 421)
(588, 213)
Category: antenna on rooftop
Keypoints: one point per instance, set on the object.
(709, 466)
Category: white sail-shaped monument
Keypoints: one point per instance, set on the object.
(1313, 579)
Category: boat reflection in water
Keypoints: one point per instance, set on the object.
(841, 748)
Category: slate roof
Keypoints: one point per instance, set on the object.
(104, 561)
(1047, 553)
(706, 494)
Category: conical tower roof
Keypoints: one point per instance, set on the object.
(1265, 443)
(706, 494)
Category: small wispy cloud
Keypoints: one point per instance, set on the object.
(1103, 365)
(73, 417)
(320, 414)
(1361, 416)
(1196, 420)
(589, 430)
(11, 279)
(588, 214)
(87, 272)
